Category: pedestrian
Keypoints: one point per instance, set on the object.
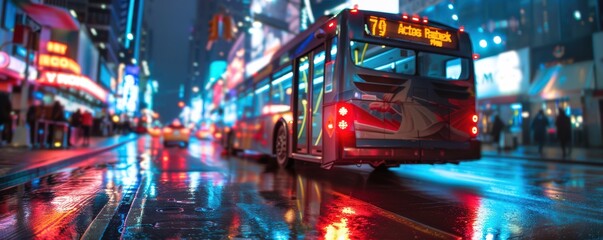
(564, 131)
(6, 120)
(539, 126)
(34, 114)
(497, 127)
(57, 115)
(87, 121)
(76, 125)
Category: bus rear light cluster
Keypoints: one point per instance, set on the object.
(474, 119)
(355, 9)
(344, 119)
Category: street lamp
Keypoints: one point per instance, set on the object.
(195, 89)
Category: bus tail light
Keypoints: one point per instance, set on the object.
(474, 119)
(345, 118)
(355, 9)
(474, 130)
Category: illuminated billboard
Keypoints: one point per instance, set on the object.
(274, 24)
(505, 74)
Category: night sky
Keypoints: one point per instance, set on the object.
(171, 24)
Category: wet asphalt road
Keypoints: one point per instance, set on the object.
(141, 190)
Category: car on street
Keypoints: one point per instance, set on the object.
(176, 133)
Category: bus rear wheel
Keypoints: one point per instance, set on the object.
(281, 148)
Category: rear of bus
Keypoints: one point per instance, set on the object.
(407, 92)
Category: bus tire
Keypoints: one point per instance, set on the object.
(281, 148)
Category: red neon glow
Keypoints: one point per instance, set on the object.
(474, 118)
(59, 62)
(75, 81)
(331, 24)
(343, 111)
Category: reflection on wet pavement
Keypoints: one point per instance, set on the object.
(142, 190)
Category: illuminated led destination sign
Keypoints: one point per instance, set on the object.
(411, 32)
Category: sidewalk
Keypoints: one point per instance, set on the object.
(18, 165)
(552, 153)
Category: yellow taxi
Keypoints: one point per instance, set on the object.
(176, 133)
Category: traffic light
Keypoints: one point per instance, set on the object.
(213, 28)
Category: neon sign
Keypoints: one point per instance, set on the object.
(75, 81)
(57, 59)
(417, 33)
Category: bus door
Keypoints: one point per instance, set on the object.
(310, 80)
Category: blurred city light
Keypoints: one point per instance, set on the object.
(483, 43)
(577, 15)
(455, 17)
(450, 6)
(497, 39)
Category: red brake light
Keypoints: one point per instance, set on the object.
(343, 124)
(425, 20)
(415, 18)
(343, 111)
(355, 9)
(462, 29)
(474, 118)
(474, 130)
(405, 17)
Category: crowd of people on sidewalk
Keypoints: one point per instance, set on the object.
(539, 127)
(51, 125)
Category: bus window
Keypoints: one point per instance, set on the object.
(281, 89)
(330, 67)
(303, 71)
(245, 108)
(317, 96)
(383, 58)
(443, 67)
(262, 97)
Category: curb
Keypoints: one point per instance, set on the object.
(20, 177)
(555, 160)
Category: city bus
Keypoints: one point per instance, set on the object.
(362, 87)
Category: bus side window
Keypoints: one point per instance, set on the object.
(262, 97)
(281, 88)
(330, 66)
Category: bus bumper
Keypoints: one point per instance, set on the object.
(424, 153)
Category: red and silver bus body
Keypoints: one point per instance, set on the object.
(350, 91)
(402, 101)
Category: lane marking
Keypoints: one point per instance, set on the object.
(436, 233)
(97, 228)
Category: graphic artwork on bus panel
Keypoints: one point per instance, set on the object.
(411, 32)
